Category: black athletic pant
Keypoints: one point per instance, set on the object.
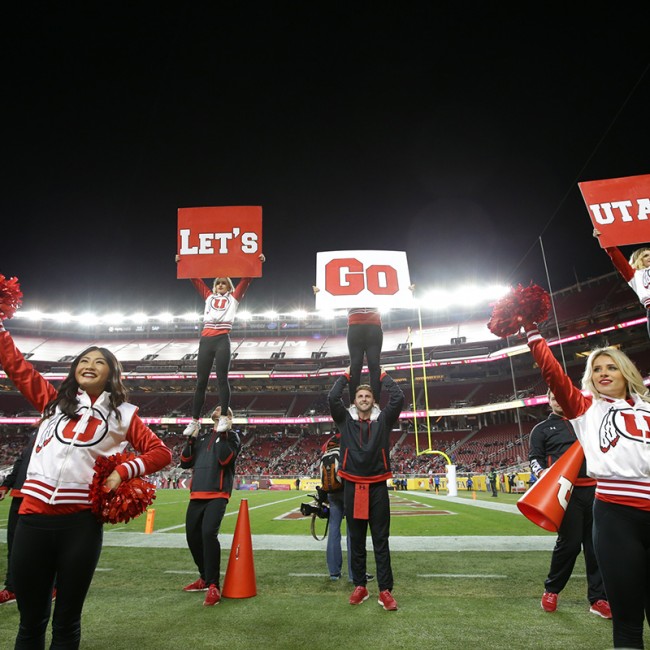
(576, 533)
(202, 523)
(622, 543)
(12, 522)
(212, 350)
(379, 530)
(365, 338)
(65, 547)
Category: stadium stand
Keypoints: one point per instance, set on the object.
(281, 404)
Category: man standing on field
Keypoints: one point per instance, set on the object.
(365, 466)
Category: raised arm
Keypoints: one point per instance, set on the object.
(395, 401)
(34, 388)
(335, 398)
(572, 401)
(618, 259)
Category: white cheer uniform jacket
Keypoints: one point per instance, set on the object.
(220, 310)
(61, 466)
(614, 433)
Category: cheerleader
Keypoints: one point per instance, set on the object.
(221, 304)
(636, 271)
(365, 337)
(612, 423)
(57, 535)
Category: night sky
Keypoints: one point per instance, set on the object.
(454, 131)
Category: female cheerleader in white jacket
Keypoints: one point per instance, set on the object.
(57, 535)
(612, 423)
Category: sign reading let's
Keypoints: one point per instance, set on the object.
(220, 241)
(619, 208)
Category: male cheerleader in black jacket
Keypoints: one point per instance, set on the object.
(365, 466)
(211, 455)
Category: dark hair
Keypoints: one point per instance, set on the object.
(66, 398)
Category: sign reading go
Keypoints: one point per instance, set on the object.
(362, 278)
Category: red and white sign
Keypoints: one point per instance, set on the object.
(220, 241)
(348, 279)
(619, 208)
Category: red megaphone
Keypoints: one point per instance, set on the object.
(547, 499)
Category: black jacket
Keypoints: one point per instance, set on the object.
(16, 477)
(212, 457)
(365, 444)
(549, 439)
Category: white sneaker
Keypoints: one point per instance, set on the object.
(192, 428)
(374, 414)
(223, 424)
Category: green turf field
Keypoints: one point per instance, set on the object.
(452, 599)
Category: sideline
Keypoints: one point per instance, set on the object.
(308, 543)
(477, 503)
(160, 539)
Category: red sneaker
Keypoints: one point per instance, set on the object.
(549, 601)
(387, 601)
(213, 597)
(197, 585)
(7, 596)
(359, 594)
(601, 608)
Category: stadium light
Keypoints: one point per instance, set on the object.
(62, 317)
(32, 314)
(431, 300)
(88, 319)
(435, 300)
(115, 318)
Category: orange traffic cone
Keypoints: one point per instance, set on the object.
(240, 574)
(547, 499)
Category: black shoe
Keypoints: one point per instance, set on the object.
(369, 577)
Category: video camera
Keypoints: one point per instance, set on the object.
(320, 508)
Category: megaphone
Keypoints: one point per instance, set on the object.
(547, 499)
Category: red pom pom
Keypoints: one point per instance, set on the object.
(128, 501)
(11, 297)
(523, 306)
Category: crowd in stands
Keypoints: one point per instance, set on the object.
(269, 452)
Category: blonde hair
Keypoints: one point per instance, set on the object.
(228, 281)
(632, 376)
(635, 258)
